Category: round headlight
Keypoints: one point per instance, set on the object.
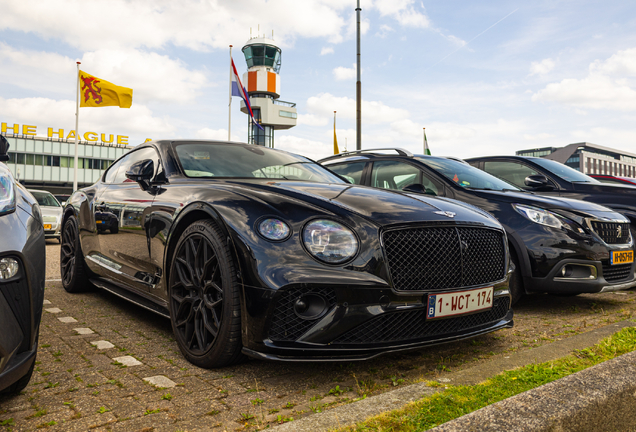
(330, 241)
(8, 268)
(274, 229)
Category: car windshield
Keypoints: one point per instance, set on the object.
(248, 161)
(564, 171)
(45, 199)
(465, 175)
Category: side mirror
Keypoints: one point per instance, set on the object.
(418, 188)
(4, 149)
(539, 182)
(141, 172)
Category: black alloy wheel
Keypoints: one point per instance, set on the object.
(204, 298)
(74, 277)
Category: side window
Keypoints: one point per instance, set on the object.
(511, 172)
(393, 175)
(350, 171)
(135, 156)
(112, 172)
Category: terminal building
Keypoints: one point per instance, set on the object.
(48, 162)
(589, 158)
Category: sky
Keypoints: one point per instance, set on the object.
(483, 77)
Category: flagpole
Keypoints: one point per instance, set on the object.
(229, 110)
(77, 103)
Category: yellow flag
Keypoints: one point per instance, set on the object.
(95, 92)
(335, 140)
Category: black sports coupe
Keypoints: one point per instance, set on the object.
(560, 246)
(250, 250)
(22, 272)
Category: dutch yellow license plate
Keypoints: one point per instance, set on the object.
(458, 303)
(622, 257)
(47, 226)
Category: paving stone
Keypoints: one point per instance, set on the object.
(128, 361)
(46, 302)
(53, 310)
(101, 344)
(67, 319)
(160, 381)
(83, 330)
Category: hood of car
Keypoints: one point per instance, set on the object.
(384, 207)
(545, 202)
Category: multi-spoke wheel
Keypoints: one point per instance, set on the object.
(74, 277)
(204, 298)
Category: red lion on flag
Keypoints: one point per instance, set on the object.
(90, 84)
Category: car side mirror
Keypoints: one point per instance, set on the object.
(141, 172)
(539, 182)
(4, 149)
(418, 188)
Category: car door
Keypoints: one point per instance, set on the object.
(515, 172)
(124, 251)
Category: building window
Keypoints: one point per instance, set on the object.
(287, 114)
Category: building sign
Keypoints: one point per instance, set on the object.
(29, 130)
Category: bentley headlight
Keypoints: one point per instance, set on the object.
(547, 218)
(7, 192)
(274, 229)
(330, 241)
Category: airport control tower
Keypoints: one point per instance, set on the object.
(263, 87)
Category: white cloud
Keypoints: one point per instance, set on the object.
(623, 63)
(342, 73)
(215, 134)
(326, 50)
(384, 31)
(593, 92)
(151, 76)
(312, 149)
(540, 136)
(542, 67)
(111, 24)
(403, 12)
(311, 120)
(372, 111)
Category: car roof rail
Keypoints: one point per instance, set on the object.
(400, 151)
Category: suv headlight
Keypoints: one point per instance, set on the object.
(547, 218)
(330, 241)
(7, 192)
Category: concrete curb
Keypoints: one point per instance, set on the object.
(601, 398)
(606, 387)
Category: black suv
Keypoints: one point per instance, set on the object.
(552, 178)
(560, 246)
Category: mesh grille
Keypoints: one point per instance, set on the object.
(612, 232)
(412, 325)
(286, 325)
(436, 258)
(613, 273)
(17, 295)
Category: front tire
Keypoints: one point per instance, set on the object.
(205, 309)
(72, 267)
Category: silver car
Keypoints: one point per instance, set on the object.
(51, 213)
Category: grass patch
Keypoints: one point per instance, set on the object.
(455, 401)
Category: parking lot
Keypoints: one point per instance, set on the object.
(105, 364)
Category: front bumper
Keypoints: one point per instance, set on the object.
(359, 323)
(21, 296)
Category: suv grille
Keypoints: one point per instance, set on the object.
(436, 258)
(412, 325)
(612, 232)
(286, 325)
(613, 273)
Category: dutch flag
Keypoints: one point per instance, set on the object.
(239, 90)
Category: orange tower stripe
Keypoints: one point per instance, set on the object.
(271, 82)
(251, 81)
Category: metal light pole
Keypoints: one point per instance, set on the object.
(358, 88)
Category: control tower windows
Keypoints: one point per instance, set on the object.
(262, 55)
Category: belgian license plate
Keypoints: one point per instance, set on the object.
(622, 257)
(458, 303)
(47, 226)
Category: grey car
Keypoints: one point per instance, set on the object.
(22, 272)
(51, 213)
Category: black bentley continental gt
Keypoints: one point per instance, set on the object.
(250, 250)
(22, 273)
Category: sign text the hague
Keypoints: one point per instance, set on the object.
(29, 130)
